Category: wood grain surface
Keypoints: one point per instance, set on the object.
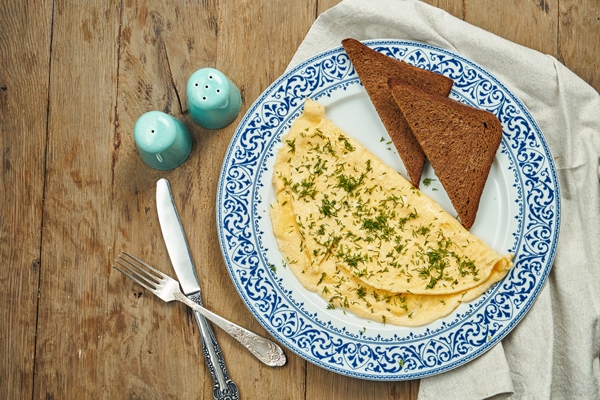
(74, 78)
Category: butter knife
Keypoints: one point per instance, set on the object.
(179, 253)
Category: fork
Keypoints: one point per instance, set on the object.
(167, 289)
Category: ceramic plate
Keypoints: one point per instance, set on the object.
(519, 213)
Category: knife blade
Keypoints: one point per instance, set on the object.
(180, 255)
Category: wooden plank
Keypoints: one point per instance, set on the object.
(321, 383)
(533, 24)
(162, 45)
(24, 71)
(324, 5)
(567, 29)
(454, 7)
(579, 38)
(77, 227)
(157, 344)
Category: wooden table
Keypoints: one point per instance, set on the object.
(74, 78)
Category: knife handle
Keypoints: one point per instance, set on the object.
(224, 387)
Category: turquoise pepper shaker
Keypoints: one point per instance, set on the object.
(163, 141)
(213, 99)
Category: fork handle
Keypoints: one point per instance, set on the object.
(262, 348)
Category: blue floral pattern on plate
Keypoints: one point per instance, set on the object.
(528, 221)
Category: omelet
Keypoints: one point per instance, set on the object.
(355, 231)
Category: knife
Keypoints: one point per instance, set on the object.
(179, 253)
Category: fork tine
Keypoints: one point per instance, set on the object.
(151, 281)
(145, 265)
(138, 271)
(132, 277)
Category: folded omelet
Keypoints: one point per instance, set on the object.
(354, 230)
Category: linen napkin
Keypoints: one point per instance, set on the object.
(554, 351)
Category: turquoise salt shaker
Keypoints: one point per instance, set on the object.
(213, 99)
(163, 141)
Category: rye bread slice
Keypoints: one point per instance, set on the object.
(374, 69)
(460, 142)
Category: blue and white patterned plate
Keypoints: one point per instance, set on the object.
(519, 213)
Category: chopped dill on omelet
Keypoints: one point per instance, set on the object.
(364, 238)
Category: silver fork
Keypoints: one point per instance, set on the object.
(168, 290)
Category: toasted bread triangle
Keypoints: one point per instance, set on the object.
(460, 142)
(374, 69)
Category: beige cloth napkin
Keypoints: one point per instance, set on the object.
(554, 351)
